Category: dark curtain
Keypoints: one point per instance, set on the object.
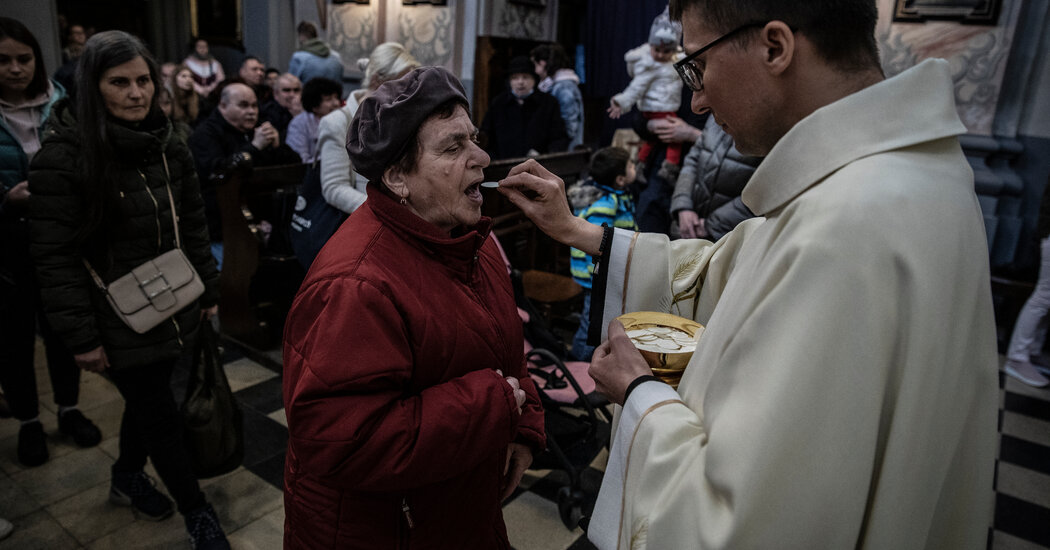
(613, 27)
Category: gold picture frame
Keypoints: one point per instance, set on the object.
(976, 12)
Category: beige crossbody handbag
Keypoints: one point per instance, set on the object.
(157, 289)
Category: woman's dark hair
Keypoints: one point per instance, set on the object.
(316, 89)
(406, 162)
(607, 163)
(15, 30)
(554, 55)
(102, 52)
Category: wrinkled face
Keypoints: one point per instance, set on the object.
(661, 54)
(253, 72)
(521, 84)
(17, 67)
(201, 47)
(444, 187)
(127, 90)
(184, 80)
(240, 107)
(288, 91)
(541, 68)
(328, 104)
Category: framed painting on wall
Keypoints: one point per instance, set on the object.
(978, 12)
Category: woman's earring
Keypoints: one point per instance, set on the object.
(404, 201)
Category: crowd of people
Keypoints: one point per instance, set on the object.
(411, 420)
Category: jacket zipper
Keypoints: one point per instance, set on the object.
(404, 528)
(156, 208)
(408, 513)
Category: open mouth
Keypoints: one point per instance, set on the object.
(474, 192)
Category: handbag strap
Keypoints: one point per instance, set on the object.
(174, 220)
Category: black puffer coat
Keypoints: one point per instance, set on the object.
(713, 175)
(137, 227)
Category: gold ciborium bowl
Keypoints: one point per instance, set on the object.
(666, 341)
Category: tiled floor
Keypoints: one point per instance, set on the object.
(62, 504)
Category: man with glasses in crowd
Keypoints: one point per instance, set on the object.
(844, 392)
(285, 104)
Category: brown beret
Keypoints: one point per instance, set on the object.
(387, 119)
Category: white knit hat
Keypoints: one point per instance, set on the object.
(665, 32)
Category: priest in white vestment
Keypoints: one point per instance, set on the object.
(844, 393)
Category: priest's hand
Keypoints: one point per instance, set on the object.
(616, 363)
(541, 196)
(519, 458)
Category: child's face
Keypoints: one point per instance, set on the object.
(628, 176)
(661, 54)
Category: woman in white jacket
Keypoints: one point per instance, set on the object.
(340, 185)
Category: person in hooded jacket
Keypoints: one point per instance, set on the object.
(104, 187)
(559, 80)
(314, 58)
(410, 414)
(26, 101)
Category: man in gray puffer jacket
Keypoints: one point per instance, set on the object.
(706, 201)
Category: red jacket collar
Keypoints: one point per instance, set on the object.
(463, 247)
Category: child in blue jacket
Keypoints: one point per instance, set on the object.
(602, 198)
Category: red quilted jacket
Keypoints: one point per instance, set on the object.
(398, 422)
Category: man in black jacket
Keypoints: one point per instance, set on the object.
(229, 141)
(523, 121)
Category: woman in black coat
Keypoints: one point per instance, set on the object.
(100, 196)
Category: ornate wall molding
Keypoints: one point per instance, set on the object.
(427, 33)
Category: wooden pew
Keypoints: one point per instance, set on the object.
(243, 201)
(544, 262)
(526, 246)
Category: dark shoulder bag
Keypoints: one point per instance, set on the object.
(314, 221)
(212, 420)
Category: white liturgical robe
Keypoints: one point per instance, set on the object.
(844, 393)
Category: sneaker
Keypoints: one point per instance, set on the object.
(205, 531)
(74, 424)
(1027, 373)
(138, 490)
(32, 444)
(5, 528)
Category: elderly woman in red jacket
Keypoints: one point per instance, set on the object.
(410, 414)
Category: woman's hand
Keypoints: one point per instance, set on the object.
(209, 312)
(616, 363)
(519, 458)
(18, 195)
(673, 130)
(541, 196)
(690, 226)
(519, 394)
(614, 110)
(92, 361)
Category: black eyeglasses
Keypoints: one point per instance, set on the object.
(689, 72)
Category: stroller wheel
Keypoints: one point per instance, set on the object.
(570, 507)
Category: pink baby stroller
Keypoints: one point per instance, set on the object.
(577, 418)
